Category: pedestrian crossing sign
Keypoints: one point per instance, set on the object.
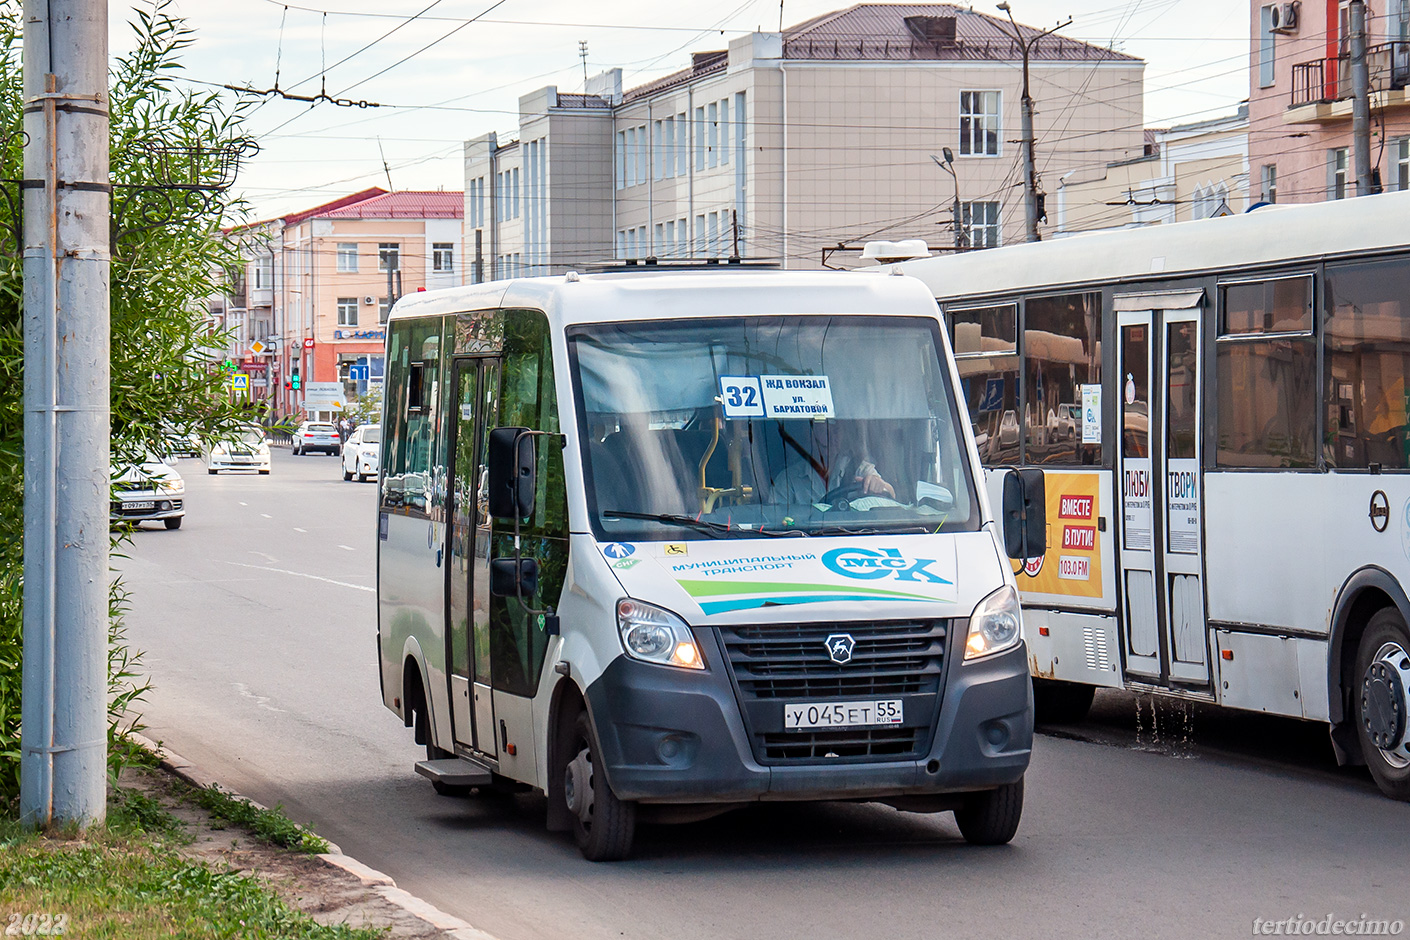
(240, 382)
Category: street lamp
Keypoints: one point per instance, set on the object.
(948, 165)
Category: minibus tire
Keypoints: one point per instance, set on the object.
(608, 837)
(1385, 627)
(991, 817)
(1061, 703)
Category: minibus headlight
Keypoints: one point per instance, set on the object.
(654, 635)
(994, 625)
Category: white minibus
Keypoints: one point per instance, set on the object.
(660, 545)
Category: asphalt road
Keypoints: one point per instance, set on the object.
(257, 621)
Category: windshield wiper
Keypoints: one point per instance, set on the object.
(868, 530)
(690, 522)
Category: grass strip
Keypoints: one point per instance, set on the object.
(271, 825)
(125, 881)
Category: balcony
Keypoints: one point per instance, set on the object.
(1321, 88)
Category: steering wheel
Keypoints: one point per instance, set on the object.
(847, 491)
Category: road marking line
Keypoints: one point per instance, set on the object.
(300, 574)
(297, 529)
(347, 548)
(265, 555)
(244, 504)
(261, 700)
(266, 515)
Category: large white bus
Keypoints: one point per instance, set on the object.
(659, 545)
(1221, 409)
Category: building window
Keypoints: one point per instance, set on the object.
(1270, 183)
(389, 256)
(682, 145)
(724, 132)
(979, 123)
(981, 224)
(443, 256)
(1267, 47)
(712, 134)
(347, 257)
(384, 307)
(621, 159)
(262, 274)
(1400, 154)
(347, 311)
(1336, 173)
(700, 138)
(701, 250)
(514, 192)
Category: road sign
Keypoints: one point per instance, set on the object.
(257, 347)
(240, 382)
(323, 396)
(357, 373)
(993, 398)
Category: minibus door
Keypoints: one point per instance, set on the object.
(1158, 387)
(468, 594)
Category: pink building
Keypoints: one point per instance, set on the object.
(1300, 141)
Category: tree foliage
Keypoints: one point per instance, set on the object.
(170, 152)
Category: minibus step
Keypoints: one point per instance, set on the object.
(456, 772)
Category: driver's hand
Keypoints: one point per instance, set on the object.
(874, 485)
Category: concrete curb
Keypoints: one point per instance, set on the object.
(379, 882)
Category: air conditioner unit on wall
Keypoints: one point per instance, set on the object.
(1283, 17)
(369, 299)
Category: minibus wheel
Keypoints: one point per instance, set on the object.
(991, 817)
(1380, 698)
(603, 825)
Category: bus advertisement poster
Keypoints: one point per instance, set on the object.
(1073, 563)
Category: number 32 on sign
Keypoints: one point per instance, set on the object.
(741, 396)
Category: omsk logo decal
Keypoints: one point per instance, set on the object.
(625, 564)
(868, 565)
(839, 648)
(618, 550)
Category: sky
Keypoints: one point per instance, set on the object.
(457, 70)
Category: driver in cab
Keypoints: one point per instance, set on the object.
(833, 464)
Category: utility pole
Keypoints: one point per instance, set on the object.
(582, 54)
(948, 165)
(63, 724)
(1030, 173)
(1361, 99)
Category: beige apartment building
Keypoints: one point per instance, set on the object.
(1192, 171)
(786, 145)
(1300, 147)
(318, 284)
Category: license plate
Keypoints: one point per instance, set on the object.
(140, 504)
(841, 714)
(241, 458)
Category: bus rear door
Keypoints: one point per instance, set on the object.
(1159, 479)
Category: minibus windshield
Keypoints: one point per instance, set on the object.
(785, 426)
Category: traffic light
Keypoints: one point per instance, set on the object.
(295, 380)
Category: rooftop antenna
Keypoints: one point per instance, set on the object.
(582, 54)
(780, 16)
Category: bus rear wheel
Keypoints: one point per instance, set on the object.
(1380, 698)
(991, 817)
(603, 826)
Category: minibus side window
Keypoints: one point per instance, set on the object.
(527, 399)
(413, 384)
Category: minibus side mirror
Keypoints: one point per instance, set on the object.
(511, 473)
(1025, 514)
(514, 577)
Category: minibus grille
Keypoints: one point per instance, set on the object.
(790, 661)
(778, 664)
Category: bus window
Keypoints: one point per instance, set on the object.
(518, 640)
(413, 385)
(1367, 360)
(985, 340)
(1266, 375)
(1061, 353)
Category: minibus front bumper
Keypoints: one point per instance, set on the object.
(670, 735)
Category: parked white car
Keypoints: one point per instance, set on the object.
(246, 449)
(316, 435)
(148, 492)
(360, 452)
(1063, 422)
